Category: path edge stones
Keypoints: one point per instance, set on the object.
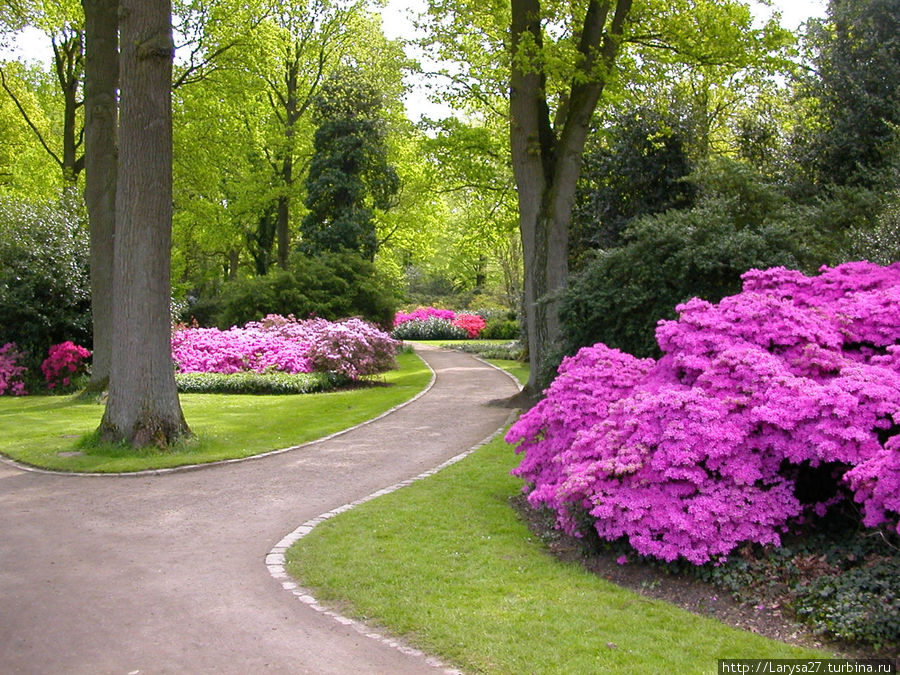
(275, 559)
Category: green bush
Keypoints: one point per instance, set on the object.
(500, 329)
(739, 223)
(512, 351)
(432, 328)
(257, 383)
(44, 277)
(332, 286)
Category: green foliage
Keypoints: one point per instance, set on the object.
(861, 604)
(349, 176)
(634, 168)
(856, 58)
(332, 286)
(44, 279)
(501, 329)
(256, 383)
(512, 351)
(432, 328)
(740, 222)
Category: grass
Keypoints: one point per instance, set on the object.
(36, 429)
(447, 564)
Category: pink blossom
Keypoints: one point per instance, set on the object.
(691, 455)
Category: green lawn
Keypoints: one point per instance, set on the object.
(36, 429)
(447, 564)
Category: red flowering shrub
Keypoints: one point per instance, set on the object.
(691, 455)
(66, 360)
(471, 323)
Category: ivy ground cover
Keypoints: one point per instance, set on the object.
(794, 382)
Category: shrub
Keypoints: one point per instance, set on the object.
(331, 286)
(500, 329)
(44, 281)
(66, 360)
(512, 351)
(11, 372)
(432, 328)
(471, 323)
(713, 445)
(351, 348)
(249, 382)
(422, 314)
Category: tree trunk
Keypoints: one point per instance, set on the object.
(101, 75)
(547, 162)
(143, 406)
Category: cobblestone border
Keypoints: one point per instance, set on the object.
(275, 560)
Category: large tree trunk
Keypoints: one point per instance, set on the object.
(547, 162)
(143, 406)
(101, 78)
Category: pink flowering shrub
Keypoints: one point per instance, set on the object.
(65, 361)
(691, 455)
(422, 314)
(471, 323)
(352, 348)
(11, 373)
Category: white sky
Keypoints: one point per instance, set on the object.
(33, 45)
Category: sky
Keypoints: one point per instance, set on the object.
(33, 45)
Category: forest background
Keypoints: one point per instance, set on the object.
(722, 142)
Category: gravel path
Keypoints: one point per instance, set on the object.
(167, 574)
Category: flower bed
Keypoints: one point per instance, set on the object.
(430, 323)
(351, 348)
(694, 454)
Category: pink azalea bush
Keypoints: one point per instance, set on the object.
(65, 361)
(471, 323)
(352, 348)
(11, 372)
(696, 453)
(422, 314)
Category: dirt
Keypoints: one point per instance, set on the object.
(764, 616)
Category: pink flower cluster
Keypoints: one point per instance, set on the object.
(422, 313)
(352, 348)
(473, 324)
(10, 372)
(694, 454)
(64, 362)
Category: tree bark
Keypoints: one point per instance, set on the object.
(101, 78)
(143, 407)
(547, 162)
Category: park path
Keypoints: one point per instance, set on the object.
(167, 573)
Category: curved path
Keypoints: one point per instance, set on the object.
(167, 574)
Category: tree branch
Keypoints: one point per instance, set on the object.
(28, 121)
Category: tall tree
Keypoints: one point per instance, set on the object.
(349, 176)
(143, 407)
(101, 80)
(547, 162)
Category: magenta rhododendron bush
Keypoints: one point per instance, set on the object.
(352, 348)
(65, 361)
(696, 453)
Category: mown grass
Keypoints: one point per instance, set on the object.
(448, 565)
(37, 429)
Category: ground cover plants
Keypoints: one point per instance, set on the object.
(54, 432)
